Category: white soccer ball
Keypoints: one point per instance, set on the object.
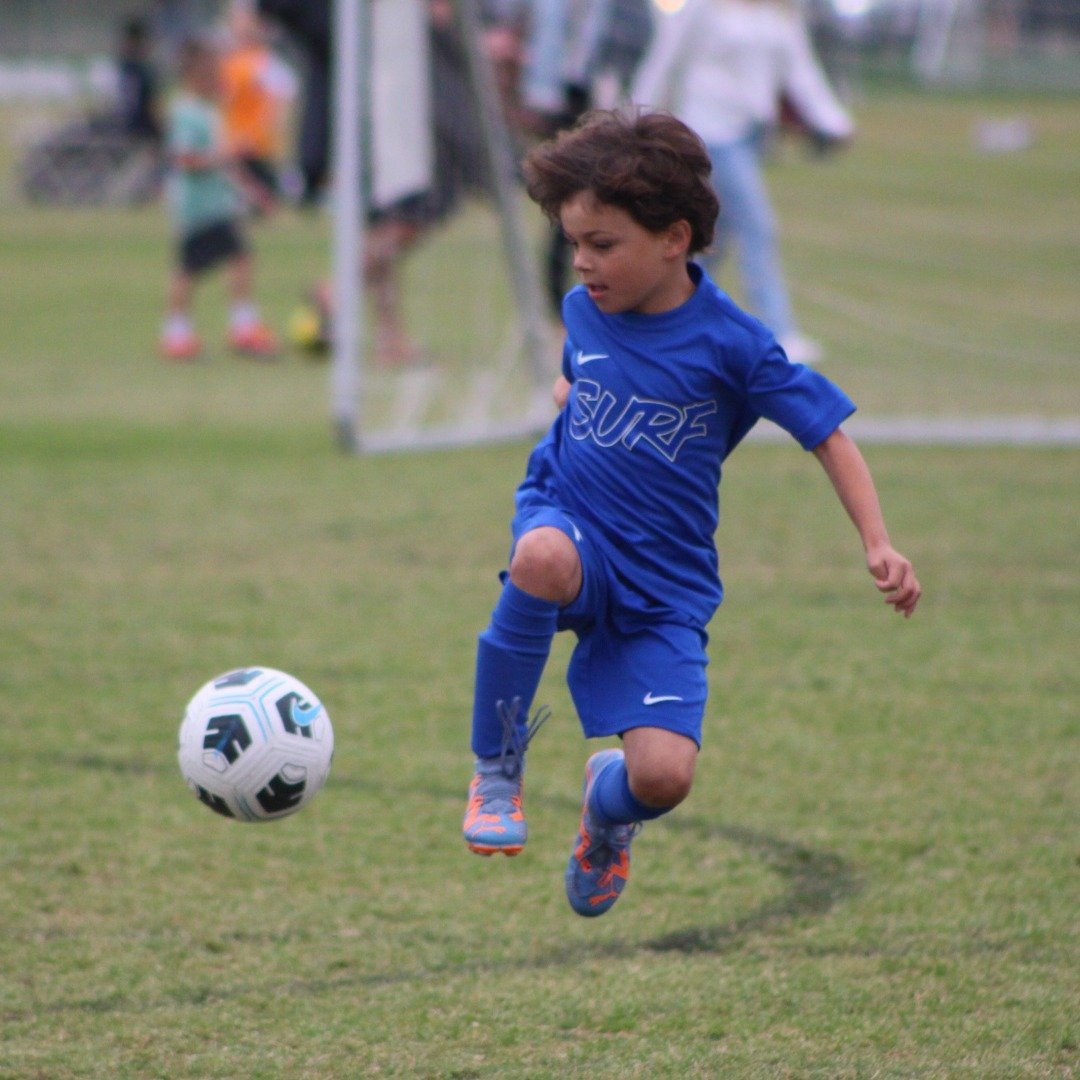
(255, 744)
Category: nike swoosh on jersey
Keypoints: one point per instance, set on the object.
(585, 358)
(651, 699)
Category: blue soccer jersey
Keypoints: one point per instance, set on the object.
(657, 403)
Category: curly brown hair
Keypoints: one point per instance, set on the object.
(648, 163)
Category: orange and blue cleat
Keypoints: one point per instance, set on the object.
(600, 862)
(494, 820)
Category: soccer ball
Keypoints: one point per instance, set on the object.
(255, 744)
(308, 330)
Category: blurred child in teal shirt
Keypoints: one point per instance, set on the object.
(206, 200)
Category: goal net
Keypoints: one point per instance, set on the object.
(444, 339)
(998, 43)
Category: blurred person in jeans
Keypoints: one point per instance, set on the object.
(723, 67)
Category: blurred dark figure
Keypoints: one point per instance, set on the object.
(138, 90)
(308, 24)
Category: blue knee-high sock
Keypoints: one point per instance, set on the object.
(612, 802)
(510, 659)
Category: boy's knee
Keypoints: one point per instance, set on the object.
(662, 784)
(546, 564)
(660, 765)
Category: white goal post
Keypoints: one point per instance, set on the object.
(358, 25)
(350, 44)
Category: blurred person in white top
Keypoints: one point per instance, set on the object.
(723, 67)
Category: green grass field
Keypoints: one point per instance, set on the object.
(878, 870)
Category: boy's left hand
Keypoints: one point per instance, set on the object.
(894, 576)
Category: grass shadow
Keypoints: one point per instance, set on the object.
(816, 881)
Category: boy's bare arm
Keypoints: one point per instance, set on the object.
(851, 478)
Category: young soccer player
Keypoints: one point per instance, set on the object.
(206, 208)
(662, 376)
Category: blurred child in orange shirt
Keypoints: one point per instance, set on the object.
(256, 90)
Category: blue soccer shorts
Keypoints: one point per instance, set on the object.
(624, 673)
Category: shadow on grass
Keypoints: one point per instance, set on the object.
(815, 880)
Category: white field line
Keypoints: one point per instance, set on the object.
(950, 430)
(1029, 431)
(913, 330)
(1023, 300)
(934, 228)
(476, 425)
(450, 437)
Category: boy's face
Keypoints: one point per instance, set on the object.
(625, 266)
